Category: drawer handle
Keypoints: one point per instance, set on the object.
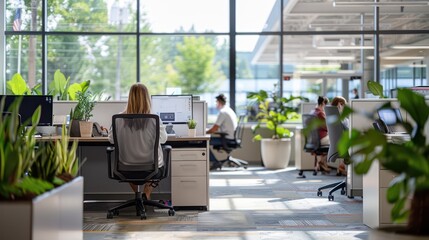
(184, 181)
(187, 165)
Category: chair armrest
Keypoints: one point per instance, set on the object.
(220, 134)
(109, 151)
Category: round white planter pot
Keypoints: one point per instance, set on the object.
(275, 152)
(390, 233)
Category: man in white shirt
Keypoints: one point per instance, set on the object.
(226, 122)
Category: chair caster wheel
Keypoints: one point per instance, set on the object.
(314, 173)
(343, 192)
(171, 212)
(109, 215)
(330, 198)
(319, 193)
(115, 213)
(143, 216)
(300, 173)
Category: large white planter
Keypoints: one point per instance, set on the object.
(275, 152)
(57, 214)
(390, 233)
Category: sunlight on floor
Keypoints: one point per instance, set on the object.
(242, 182)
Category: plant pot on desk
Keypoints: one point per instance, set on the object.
(80, 128)
(192, 132)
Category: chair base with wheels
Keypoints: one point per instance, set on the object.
(229, 145)
(139, 202)
(230, 162)
(335, 186)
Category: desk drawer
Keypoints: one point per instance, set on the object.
(189, 191)
(188, 168)
(189, 154)
(385, 177)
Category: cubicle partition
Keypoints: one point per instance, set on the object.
(189, 160)
(104, 110)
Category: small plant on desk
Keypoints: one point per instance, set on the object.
(192, 124)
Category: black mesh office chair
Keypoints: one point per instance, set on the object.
(229, 145)
(136, 148)
(312, 141)
(335, 130)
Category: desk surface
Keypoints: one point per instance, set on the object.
(106, 139)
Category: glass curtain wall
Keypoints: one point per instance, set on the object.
(307, 47)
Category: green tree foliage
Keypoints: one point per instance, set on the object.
(197, 72)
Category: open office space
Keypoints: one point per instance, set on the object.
(199, 49)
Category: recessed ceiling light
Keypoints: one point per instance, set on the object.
(344, 47)
(339, 58)
(410, 47)
(403, 58)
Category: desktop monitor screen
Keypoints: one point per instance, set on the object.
(390, 116)
(29, 104)
(175, 109)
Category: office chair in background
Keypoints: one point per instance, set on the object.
(312, 142)
(137, 163)
(335, 130)
(229, 145)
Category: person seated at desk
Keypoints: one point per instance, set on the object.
(139, 103)
(226, 122)
(319, 112)
(340, 102)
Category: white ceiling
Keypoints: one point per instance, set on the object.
(321, 15)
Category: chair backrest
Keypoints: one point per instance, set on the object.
(136, 140)
(312, 139)
(238, 134)
(335, 130)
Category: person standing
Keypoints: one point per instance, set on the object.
(226, 122)
(355, 92)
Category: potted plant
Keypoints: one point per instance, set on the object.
(408, 159)
(61, 87)
(192, 124)
(33, 190)
(273, 112)
(80, 115)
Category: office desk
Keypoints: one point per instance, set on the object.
(187, 185)
(376, 209)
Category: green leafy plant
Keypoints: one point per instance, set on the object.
(192, 124)
(18, 86)
(61, 87)
(84, 107)
(409, 159)
(66, 157)
(375, 88)
(274, 111)
(17, 154)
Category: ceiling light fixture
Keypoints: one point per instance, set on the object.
(403, 58)
(410, 47)
(344, 47)
(418, 65)
(392, 3)
(339, 58)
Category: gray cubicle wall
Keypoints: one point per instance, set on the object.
(358, 120)
(104, 110)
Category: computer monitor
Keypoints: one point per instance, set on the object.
(29, 104)
(390, 116)
(175, 109)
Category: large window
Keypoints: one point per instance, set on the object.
(308, 47)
